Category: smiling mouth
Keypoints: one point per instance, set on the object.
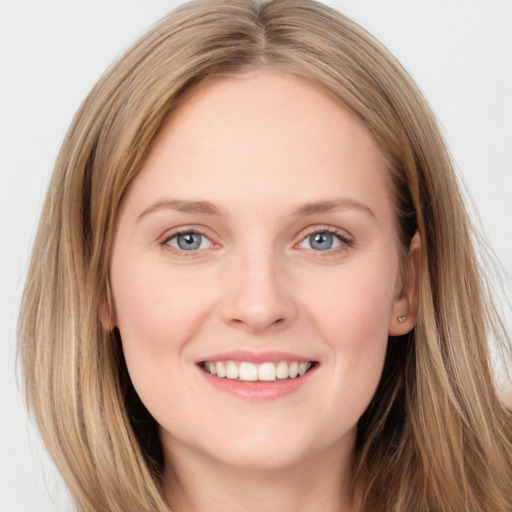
(245, 371)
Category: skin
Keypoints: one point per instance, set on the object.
(258, 147)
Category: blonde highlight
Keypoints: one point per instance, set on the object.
(436, 424)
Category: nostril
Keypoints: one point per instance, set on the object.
(257, 326)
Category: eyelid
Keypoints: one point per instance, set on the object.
(345, 238)
(182, 230)
(321, 228)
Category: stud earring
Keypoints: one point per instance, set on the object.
(401, 319)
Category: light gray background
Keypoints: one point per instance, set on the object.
(53, 51)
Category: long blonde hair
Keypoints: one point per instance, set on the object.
(436, 436)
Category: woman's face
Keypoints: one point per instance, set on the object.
(258, 241)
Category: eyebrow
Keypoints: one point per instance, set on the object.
(204, 207)
(335, 204)
(208, 208)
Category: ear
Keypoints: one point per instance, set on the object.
(403, 312)
(106, 310)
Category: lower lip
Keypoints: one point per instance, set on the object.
(258, 390)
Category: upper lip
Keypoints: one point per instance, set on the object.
(255, 357)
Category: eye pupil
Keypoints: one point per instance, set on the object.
(321, 241)
(189, 241)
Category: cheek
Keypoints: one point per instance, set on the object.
(352, 315)
(157, 314)
(353, 304)
(155, 306)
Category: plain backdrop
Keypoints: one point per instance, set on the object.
(53, 51)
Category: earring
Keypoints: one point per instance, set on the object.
(401, 319)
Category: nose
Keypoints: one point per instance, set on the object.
(258, 295)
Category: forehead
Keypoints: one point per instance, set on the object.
(261, 103)
(247, 135)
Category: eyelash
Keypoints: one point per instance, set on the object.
(346, 242)
(182, 231)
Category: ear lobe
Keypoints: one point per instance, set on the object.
(106, 311)
(403, 312)
(106, 319)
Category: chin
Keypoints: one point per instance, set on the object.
(262, 458)
(274, 449)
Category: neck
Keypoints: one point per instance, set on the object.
(196, 483)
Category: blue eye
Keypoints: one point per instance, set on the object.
(189, 241)
(322, 241)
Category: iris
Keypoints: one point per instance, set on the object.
(321, 241)
(189, 241)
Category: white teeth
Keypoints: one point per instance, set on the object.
(248, 371)
(266, 372)
(282, 370)
(221, 370)
(212, 368)
(231, 370)
(293, 370)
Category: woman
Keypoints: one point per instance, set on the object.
(254, 278)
